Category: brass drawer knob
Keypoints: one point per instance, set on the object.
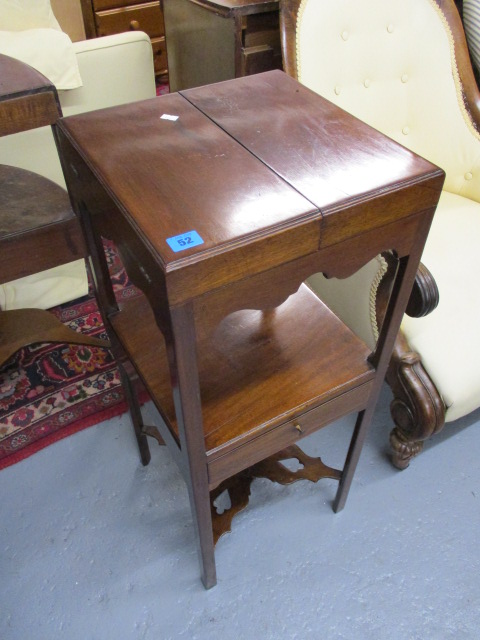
(298, 428)
(134, 25)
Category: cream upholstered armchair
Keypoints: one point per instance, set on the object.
(89, 74)
(403, 67)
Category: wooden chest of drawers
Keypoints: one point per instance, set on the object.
(105, 17)
(213, 40)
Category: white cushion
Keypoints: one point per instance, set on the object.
(18, 15)
(47, 50)
(449, 338)
(46, 289)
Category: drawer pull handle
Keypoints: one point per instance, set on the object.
(298, 428)
(134, 25)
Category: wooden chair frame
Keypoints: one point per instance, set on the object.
(51, 235)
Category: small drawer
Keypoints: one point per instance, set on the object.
(101, 5)
(272, 440)
(143, 17)
(159, 56)
(260, 59)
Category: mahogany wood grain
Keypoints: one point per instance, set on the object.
(288, 28)
(417, 408)
(234, 218)
(188, 411)
(425, 295)
(238, 487)
(20, 80)
(190, 145)
(332, 151)
(390, 327)
(323, 140)
(238, 220)
(241, 358)
(245, 362)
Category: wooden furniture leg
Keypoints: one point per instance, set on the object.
(401, 290)
(107, 307)
(136, 416)
(186, 390)
(417, 408)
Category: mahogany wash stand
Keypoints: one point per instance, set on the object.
(222, 200)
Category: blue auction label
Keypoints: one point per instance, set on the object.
(184, 241)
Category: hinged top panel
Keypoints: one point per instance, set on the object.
(248, 174)
(327, 154)
(174, 172)
(342, 165)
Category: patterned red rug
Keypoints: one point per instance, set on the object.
(49, 391)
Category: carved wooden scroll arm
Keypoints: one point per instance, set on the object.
(417, 408)
(425, 295)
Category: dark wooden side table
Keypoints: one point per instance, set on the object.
(222, 200)
(213, 40)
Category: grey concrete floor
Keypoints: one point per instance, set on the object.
(95, 546)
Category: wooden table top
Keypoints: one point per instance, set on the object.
(27, 99)
(333, 159)
(173, 176)
(18, 79)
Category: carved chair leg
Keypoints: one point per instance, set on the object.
(417, 409)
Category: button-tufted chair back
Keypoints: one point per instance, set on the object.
(393, 64)
(403, 67)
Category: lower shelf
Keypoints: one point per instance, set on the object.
(275, 375)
